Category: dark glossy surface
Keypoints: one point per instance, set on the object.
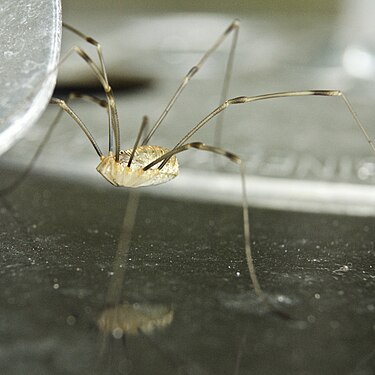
(58, 244)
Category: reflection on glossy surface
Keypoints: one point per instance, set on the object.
(59, 243)
(120, 319)
(123, 317)
(133, 318)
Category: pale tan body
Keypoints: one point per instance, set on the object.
(119, 174)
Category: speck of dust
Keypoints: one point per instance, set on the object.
(117, 333)
(71, 320)
(341, 270)
(283, 299)
(238, 273)
(11, 300)
(56, 284)
(311, 319)
(88, 309)
(317, 296)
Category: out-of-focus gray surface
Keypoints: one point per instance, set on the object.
(301, 153)
(30, 38)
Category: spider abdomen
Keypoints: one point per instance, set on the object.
(119, 174)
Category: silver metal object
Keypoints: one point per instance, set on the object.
(30, 36)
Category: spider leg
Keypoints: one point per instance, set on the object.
(233, 27)
(245, 211)
(47, 136)
(249, 99)
(102, 75)
(62, 104)
(136, 143)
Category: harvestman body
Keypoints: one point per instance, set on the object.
(147, 164)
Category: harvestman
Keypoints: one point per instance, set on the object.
(146, 164)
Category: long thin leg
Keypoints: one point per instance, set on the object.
(115, 125)
(249, 99)
(99, 51)
(47, 136)
(89, 98)
(225, 88)
(101, 74)
(62, 104)
(234, 26)
(24, 174)
(136, 143)
(112, 111)
(245, 211)
(113, 114)
(95, 43)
